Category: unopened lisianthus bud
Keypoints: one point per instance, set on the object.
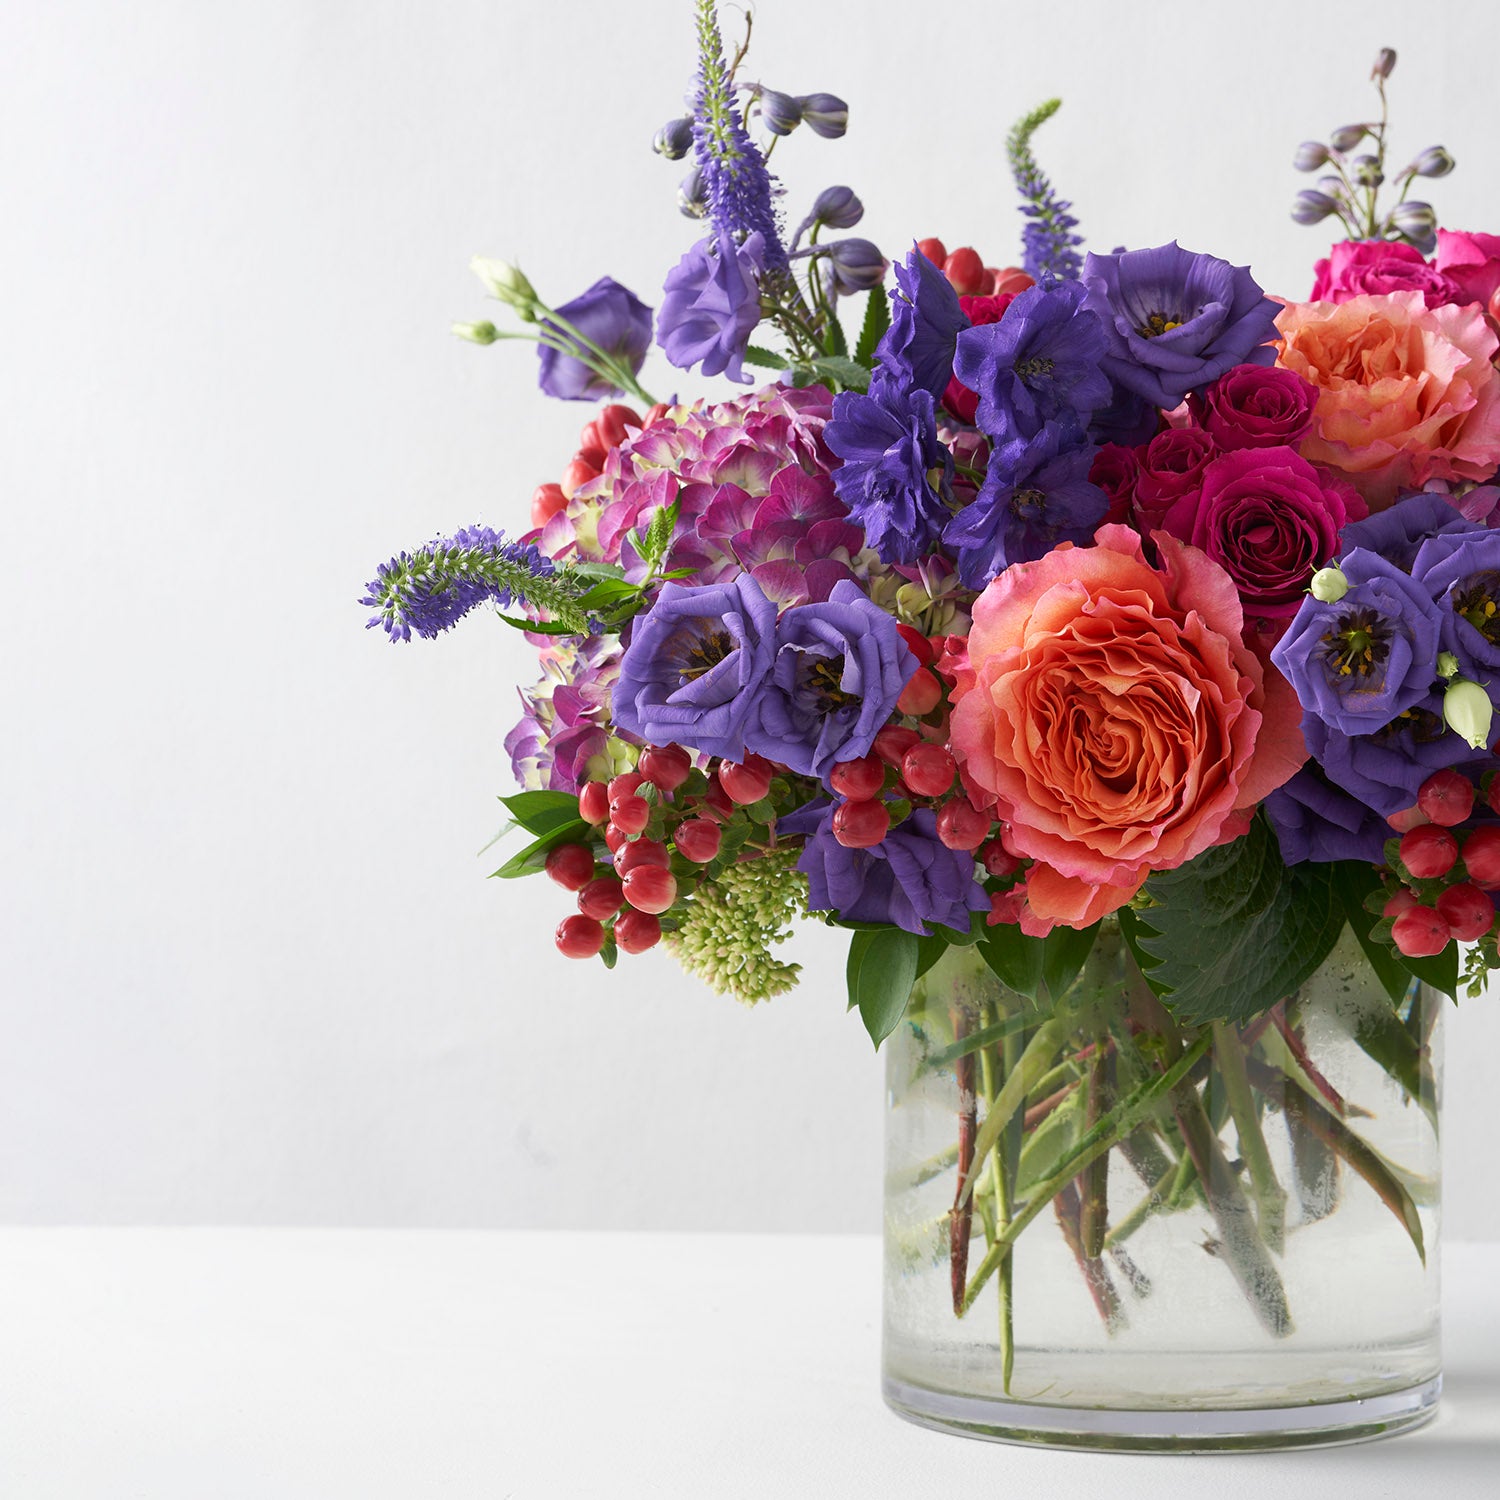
(1310, 207)
(1447, 665)
(692, 196)
(1310, 156)
(826, 114)
(1433, 162)
(779, 113)
(1329, 585)
(675, 139)
(505, 283)
(1367, 171)
(857, 265)
(838, 208)
(1347, 137)
(477, 333)
(1467, 711)
(1385, 61)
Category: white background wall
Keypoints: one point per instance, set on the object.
(251, 968)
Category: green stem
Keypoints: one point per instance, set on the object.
(1270, 1196)
(1093, 1181)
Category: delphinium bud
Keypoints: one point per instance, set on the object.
(838, 208)
(1385, 61)
(1310, 156)
(1366, 171)
(1433, 162)
(1347, 137)
(779, 113)
(1310, 207)
(692, 196)
(675, 139)
(856, 266)
(826, 114)
(1415, 221)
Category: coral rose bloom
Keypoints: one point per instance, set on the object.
(1406, 392)
(1116, 718)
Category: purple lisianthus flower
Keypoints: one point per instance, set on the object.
(1398, 532)
(1039, 363)
(1363, 659)
(917, 349)
(711, 304)
(695, 666)
(895, 474)
(1315, 820)
(1461, 570)
(609, 315)
(1035, 495)
(909, 879)
(1175, 320)
(1125, 418)
(839, 667)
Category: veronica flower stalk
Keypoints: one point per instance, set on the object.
(1048, 239)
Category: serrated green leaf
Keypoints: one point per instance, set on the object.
(1234, 930)
(872, 330)
(837, 343)
(881, 970)
(765, 358)
(843, 371)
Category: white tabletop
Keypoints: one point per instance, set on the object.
(214, 1364)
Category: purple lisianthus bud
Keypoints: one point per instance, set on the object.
(692, 195)
(838, 670)
(1310, 207)
(1315, 820)
(696, 667)
(1039, 362)
(1175, 321)
(675, 139)
(895, 473)
(1310, 155)
(855, 266)
(917, 349)
(826, 114)
(711, 304)
(779, 113)
(608, 315)
(1359, 662)
(908, 880)
(1347, 137)
(838, 208)
(1433, 162)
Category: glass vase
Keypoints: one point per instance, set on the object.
(1107, 1230)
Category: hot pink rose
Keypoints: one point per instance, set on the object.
(1374, 267)
(1255, 406)
(1172, 466)
(1471, 262)
(1115, 470)
(1270, 519)
(1406, 392)
(1116, 720)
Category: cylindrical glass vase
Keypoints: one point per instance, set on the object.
(1106, 1230)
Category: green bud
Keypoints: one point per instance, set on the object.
(1467, 711)
(1447, 665)
(505, 283)
(1329, 585)
(477, 333)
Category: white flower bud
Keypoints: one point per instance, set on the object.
(1467, 711)
(1329, 585)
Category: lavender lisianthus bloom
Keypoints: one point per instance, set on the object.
(917, 349)
(1361, 660)
(1462, 572)
(839, 667)
(1039, 363)
(908, 880)
(1035, 494)
(711, 304)
(609, 315)
(895, 473)
(1315, 820)
(695, 667)
(1176, 320)
(1398, 532)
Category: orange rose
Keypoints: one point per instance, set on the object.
(1406, 392)
(1115, 718)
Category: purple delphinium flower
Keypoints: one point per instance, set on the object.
(1315, 820)
(609, 315)
(710, 305)
(839, 667)
(1358, 662)
(1039, 363)
(1175, 320)
(909, 880)
(1462, 572)
(696, 665)
(1035, 495)
(895, 474)
(917, 349)
(1398, 532)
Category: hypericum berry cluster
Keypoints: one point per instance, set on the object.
(1445, 869)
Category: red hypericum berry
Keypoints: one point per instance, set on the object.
(928, 770)
(893, 742)
(1492, 797)
(1402, 901)
(593, 802)
(998, 861)
(601, 897)
(934, 249)
(626, 784)
(716, 799)
(921, 695)
(1467, 910)
(1429, 851)
(858, 780)
(590, 453)
(546, 501)
(698, 840)
(579, 937)
(571, 866)
(917, 644)
(747, 782)
(1482, 857)
(610, 425)
(635, 931)
(960, 825)
(861, 825)
(1447, 798)
(641, 852)
(630, 814)
(576, 475)
(666, 767)
(1420, 932)
(650, 888)
(615, 839)
(965, 270)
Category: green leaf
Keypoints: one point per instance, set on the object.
(532, 859)
(931, 949)
(541, 812)
(755, 355)
(842, 371)
(1065, 950)
(1355, 882)
(1234, 930)
(877, 320)
(881, 970)
(837, 343)
(1017, 960)
(542, 627)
